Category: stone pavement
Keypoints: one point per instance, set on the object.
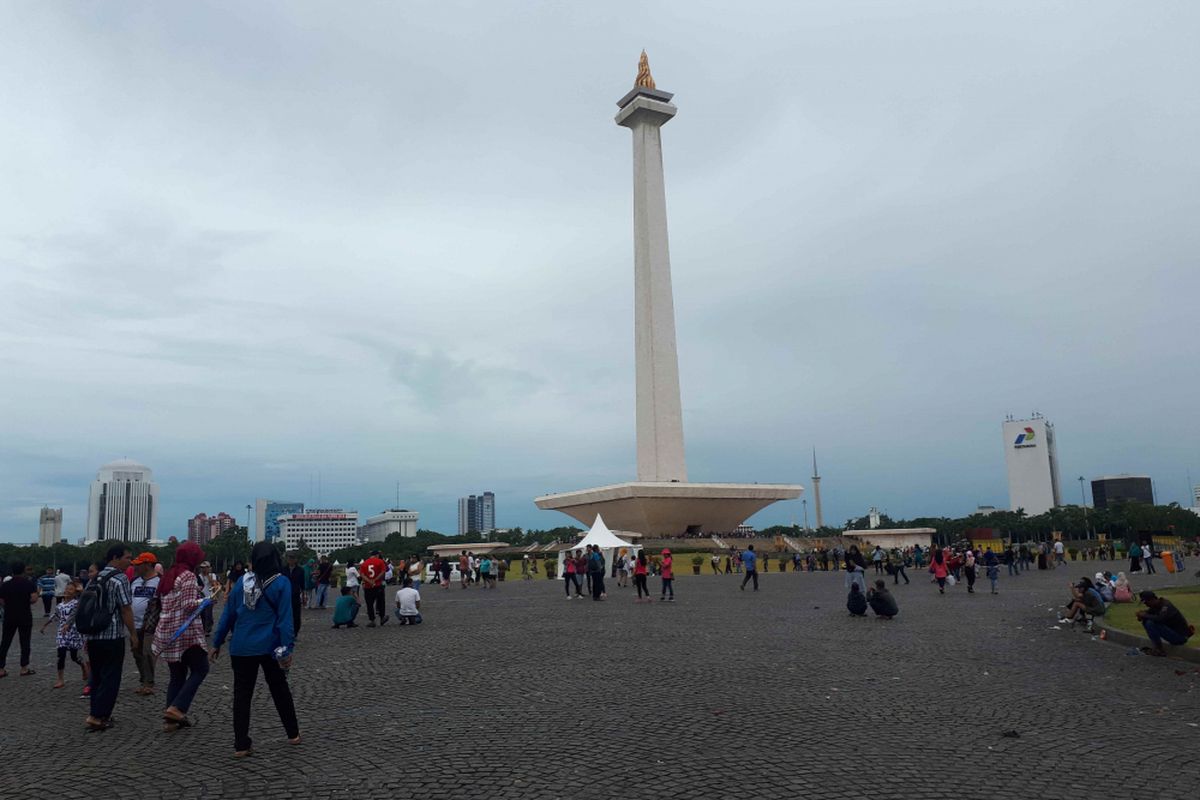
(519, 693)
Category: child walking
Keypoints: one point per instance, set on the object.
(67, 639)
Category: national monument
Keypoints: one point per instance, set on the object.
(661, 501)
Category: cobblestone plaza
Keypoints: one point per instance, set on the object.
(519, 693)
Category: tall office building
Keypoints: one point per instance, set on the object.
(1032, 459)
(50, 526)
(1111, 490)
(384, 524)
(202, 528)
(267, 514)
(323, 530)
(477, 513)
(123, 504)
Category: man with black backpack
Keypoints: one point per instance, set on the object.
(104, 614)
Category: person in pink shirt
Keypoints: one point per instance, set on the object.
(940, 569)
(639, 577)
(570, 577)
(668, 576)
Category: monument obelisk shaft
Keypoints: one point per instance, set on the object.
(644, 110)
(816, 483)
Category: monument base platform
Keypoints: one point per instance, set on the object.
(670, 509)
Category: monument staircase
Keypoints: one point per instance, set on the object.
(719, 542)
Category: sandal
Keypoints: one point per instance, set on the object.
(170, 727)
(27, 671)
(177, 716)
(295, 741)
(243, 753)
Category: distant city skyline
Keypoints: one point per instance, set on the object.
(921, 219)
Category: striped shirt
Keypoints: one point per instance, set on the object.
(117, 596)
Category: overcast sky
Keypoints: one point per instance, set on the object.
(250, 244)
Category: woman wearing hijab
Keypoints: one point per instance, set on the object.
(1122, 591)
(185, 653)
(259, 614)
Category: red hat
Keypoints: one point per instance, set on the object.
(666, 552)
(146, 558)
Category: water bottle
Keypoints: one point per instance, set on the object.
(280, 653)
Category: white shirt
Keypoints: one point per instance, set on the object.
(351, 576)
(1058, 547)
(61, 581)
(406, 601)
(1146, 551)
(143, 592)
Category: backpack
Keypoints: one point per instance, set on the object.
(94, 612)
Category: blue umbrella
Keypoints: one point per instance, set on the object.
(203, 605)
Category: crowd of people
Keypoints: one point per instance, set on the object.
(168, 615)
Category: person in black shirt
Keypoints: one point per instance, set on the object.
(295, 575)
(1163, 623)
(17, 594)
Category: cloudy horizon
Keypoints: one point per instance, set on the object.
(258, 246)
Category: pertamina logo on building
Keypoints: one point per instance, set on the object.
(1025, 439)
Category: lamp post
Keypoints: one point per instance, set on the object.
(1083, 502)
(804, 502)
(249, 532)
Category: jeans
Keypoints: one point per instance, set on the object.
(375, 602)
(107, 657)
(186, 676)
(144, 658)
(21, 631)
(751, 574)
(668, 586)
(1012, 570)
(1149, 564)
(597, 584)
(322, 594)
(640, 582)
(568, 582)
(47, 601)
(206, 618)
(245, 676)
(578, 585)
(1160, 633)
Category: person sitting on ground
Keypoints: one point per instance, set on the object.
(346, 609)
(1163, 623)
(1123, 590)
(408, 604)
(1103, 587)
(856, 601)
(1085, 601)
(881, 601)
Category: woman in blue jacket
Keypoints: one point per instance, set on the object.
(259, 615)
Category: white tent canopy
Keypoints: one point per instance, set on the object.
(599, 536)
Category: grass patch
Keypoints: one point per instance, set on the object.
(1122, 615)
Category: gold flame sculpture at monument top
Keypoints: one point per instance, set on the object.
(644, 79)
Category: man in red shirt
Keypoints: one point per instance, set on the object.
(372, 572)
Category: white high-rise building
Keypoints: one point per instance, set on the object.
(323, 530)
(1032, 460)
(123, 504)
(384, 524)
(50, 526)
